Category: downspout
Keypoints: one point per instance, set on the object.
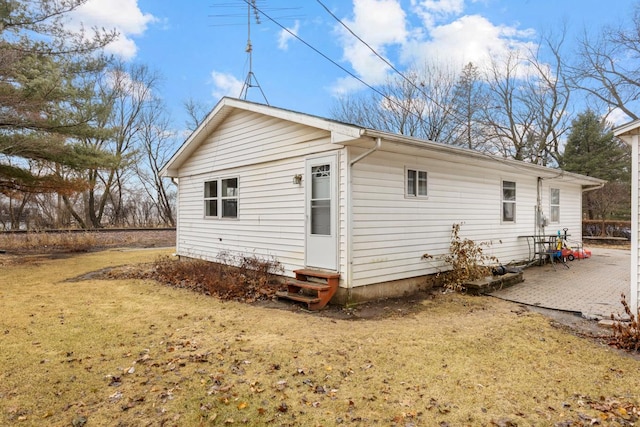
(366, 153)
(174, 181)
(593, 187)
(539, 226)
(352, 162)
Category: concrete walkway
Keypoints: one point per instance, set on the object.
(591, 287)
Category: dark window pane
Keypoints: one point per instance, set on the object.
(422, 183)
(230, 208)
(508, 211)
(210, 189)
(211, 207)
(508, 190)
(230, 187)
(411, 182)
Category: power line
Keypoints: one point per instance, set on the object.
(421, 90)
(389, 99)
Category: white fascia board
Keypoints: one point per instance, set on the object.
(626, 130)
(533, 169)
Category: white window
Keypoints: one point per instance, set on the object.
(221, 198)
(508, 201)
(416, 183)
(554, 204)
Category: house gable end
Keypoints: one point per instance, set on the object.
(338, 132)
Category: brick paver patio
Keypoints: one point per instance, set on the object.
(591, 287)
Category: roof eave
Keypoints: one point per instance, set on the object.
(542, 171)
(627, 130)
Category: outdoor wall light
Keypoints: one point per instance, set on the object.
(297, 179)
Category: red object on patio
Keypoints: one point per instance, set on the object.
(578, 254)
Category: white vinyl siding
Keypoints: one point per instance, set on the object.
(246, 138)
(271, 208)
(391, 232)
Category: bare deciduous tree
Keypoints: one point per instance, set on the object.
(418, 103)
(529, 103)
(607, 68)
(470, 99)
(156, 144)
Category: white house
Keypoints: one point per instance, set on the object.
(366, 205)
(630, 133)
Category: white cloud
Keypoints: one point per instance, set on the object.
(380, 23)
(285, 37)
(471, 38)
(225, 85)
(617, 117)
(432, 11)
(444, 34)
(124, 16)
(122, 80)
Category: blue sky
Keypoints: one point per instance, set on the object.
(201, 54)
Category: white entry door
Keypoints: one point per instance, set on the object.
(321, 243)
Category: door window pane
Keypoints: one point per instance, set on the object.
(321, 217)
(321, 182)
(321, 200)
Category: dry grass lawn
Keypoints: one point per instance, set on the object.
(135, 353)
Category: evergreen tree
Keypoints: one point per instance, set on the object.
(44, 70)
(592, 150)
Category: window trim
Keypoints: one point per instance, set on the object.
(220, 198)
(416, 194)
(554, 205)
(503, 201)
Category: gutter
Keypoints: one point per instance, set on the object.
(375, 148)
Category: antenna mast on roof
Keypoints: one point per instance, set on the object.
(251, 80)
